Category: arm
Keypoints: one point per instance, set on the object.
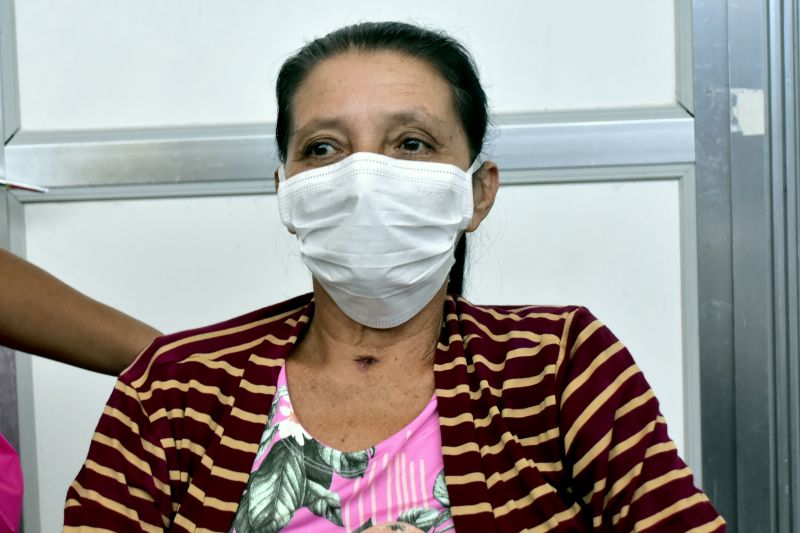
(79, 331)
(124, 485)
(625, 468)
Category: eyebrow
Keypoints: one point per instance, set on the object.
(318, 124)
(416, 115)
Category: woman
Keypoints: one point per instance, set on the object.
(384, 401)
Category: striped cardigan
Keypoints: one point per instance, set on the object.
(546, 422)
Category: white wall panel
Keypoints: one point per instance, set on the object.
(612, 247)
(180, 263)
(114, 64)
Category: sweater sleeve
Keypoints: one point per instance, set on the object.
(124, 484)
(624, 467)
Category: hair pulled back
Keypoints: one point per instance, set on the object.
(449, 57)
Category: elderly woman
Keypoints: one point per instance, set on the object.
(384, 401)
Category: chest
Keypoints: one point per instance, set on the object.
(300, 484)
(355, 413)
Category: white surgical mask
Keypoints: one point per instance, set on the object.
(378, 233)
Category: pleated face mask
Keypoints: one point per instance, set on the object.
(378, 233)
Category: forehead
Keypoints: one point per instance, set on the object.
(365, 85)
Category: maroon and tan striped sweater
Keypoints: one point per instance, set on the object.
(547, 425)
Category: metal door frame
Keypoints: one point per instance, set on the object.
(745, 103)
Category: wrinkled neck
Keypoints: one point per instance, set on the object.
(334, 339)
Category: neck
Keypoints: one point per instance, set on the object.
(336, 340)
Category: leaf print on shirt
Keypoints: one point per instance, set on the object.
(316, 469)
(426, 519)
(323, 502)
(440, 490)
(295, 473)
(421, 518)
(429, 519)
(273, 493)
(349, 465)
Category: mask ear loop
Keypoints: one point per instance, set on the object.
(474, 167)
(282, 173)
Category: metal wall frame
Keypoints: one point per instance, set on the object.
(8, 73)
(241, 159)
(745, 102)
(784, 119)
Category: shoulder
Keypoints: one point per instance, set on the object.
(566, 334)
(505, 319)
(197, 353)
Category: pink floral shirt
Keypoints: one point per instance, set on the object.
(299, 484)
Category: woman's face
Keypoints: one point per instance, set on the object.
(383, 102)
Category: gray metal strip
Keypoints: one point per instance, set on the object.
(610, 138)
(715, 273)
(746, 68)
(267, 186)
(752, 257)
(684, 89)
(594, 174)
(31, 519)
(9, 89)
(9, 425)
(16, 383)
(597, 140)
(791, 92)
(148, 191)
(9, 122)
(693, 428)
(784, 121)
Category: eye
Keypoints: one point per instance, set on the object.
(319, 149)
(414, 145)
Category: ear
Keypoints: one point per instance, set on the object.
(485, 183)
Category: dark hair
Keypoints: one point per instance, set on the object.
(449, 57)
